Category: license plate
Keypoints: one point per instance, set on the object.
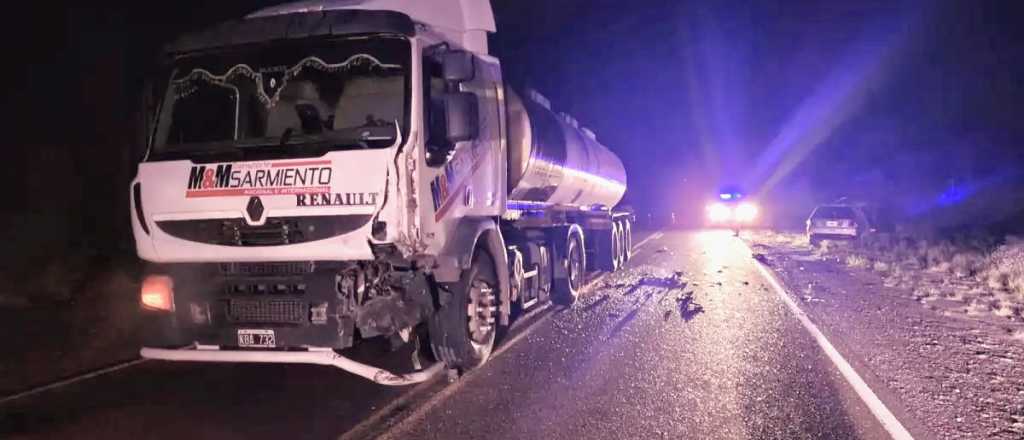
(831, 224)
(256, 338)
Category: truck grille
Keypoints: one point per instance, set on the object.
(255, 287)
(267, 312)
(266, 269)
(276, 231)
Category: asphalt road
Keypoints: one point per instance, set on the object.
(688, 341)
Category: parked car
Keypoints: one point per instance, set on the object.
(837, 221)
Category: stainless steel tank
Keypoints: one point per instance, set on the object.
(553, 160)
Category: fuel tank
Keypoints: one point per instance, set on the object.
(554, 160)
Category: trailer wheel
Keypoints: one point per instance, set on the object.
(623, 249)
(462, 332)
(571, 254)
(619, 237)
(627, 241)
(604, 257)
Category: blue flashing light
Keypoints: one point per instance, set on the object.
(725, 196)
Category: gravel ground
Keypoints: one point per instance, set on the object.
(957, 372)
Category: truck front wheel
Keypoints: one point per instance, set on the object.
(462, 332)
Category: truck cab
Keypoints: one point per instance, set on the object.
(323, 172)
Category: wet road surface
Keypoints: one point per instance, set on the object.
(688, 341)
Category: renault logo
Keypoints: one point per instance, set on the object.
(255, 209)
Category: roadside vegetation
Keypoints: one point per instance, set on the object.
(974, 274)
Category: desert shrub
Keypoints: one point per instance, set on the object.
(965, 264)
(857, 260)
(1005, 268)
(939, 253)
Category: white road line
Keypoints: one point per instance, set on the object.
(653, 236)
(451, 389)
(884, 416)
(72, 380)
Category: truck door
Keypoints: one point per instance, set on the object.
(466, 179)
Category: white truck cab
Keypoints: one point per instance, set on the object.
(324, 172)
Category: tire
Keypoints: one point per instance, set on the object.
(463, 331)
(569, 251)
(616, 246)
(622, 243)
(604, 257)
(627, 240)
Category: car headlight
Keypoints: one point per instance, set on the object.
(718, 212)
(746, 212)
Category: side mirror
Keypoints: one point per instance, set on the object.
(461, 116)
(457, 66)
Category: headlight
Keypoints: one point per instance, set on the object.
(746, 212)
(157, 293)
(719, 213)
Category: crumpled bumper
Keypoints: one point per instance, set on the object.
(312, 356)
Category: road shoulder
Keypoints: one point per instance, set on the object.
(943, 376)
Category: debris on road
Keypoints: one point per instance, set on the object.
(688, 309)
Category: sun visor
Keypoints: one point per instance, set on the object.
(292, 26)
(464, 21)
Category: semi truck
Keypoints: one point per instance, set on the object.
(321, 173)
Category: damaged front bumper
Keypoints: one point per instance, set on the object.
(321, 304)
(311, 355)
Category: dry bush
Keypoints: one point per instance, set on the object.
(1006, 309)
(965, 264)
(881, 266)
(1005, 268)
(937, 254)
(883, 243)
(857, 260)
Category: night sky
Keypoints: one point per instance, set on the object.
(800, 101)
